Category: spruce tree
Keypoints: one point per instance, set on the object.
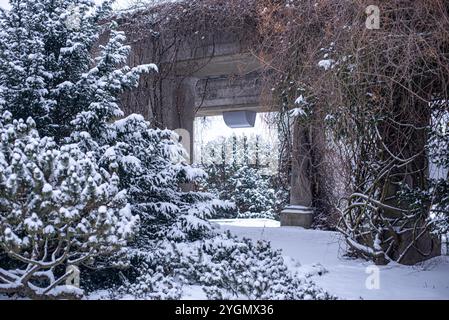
(48, 67)
(151, 167)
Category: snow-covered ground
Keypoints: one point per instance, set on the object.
(347, 278)
(305, 250)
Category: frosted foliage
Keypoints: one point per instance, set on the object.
(83, 185)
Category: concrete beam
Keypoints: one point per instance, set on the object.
(214, 55)
(211, 45)
(217, 95)
(213, 66)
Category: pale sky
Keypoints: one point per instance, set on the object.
(215, 127)
(3, 3)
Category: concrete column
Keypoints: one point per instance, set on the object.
(300, 212)
(178, 108)
(178, 112)
(185, 108)
(301, 191)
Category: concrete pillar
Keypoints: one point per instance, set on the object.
(300, 212)
(178, 108)
(185, 108)
(178, 111)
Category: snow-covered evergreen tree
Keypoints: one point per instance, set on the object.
(48, 70)
(57, 208)
(240, 169)
(151, 167)
(176, 245)
(252, 193)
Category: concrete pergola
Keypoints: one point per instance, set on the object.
(227, 78)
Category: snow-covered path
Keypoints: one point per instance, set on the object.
(346, 277)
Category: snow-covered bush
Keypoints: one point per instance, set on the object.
(57, 208)
(155, 273)
(224, 266)
(253, 193)
(230, 267)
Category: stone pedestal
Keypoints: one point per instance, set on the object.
(296, 215)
